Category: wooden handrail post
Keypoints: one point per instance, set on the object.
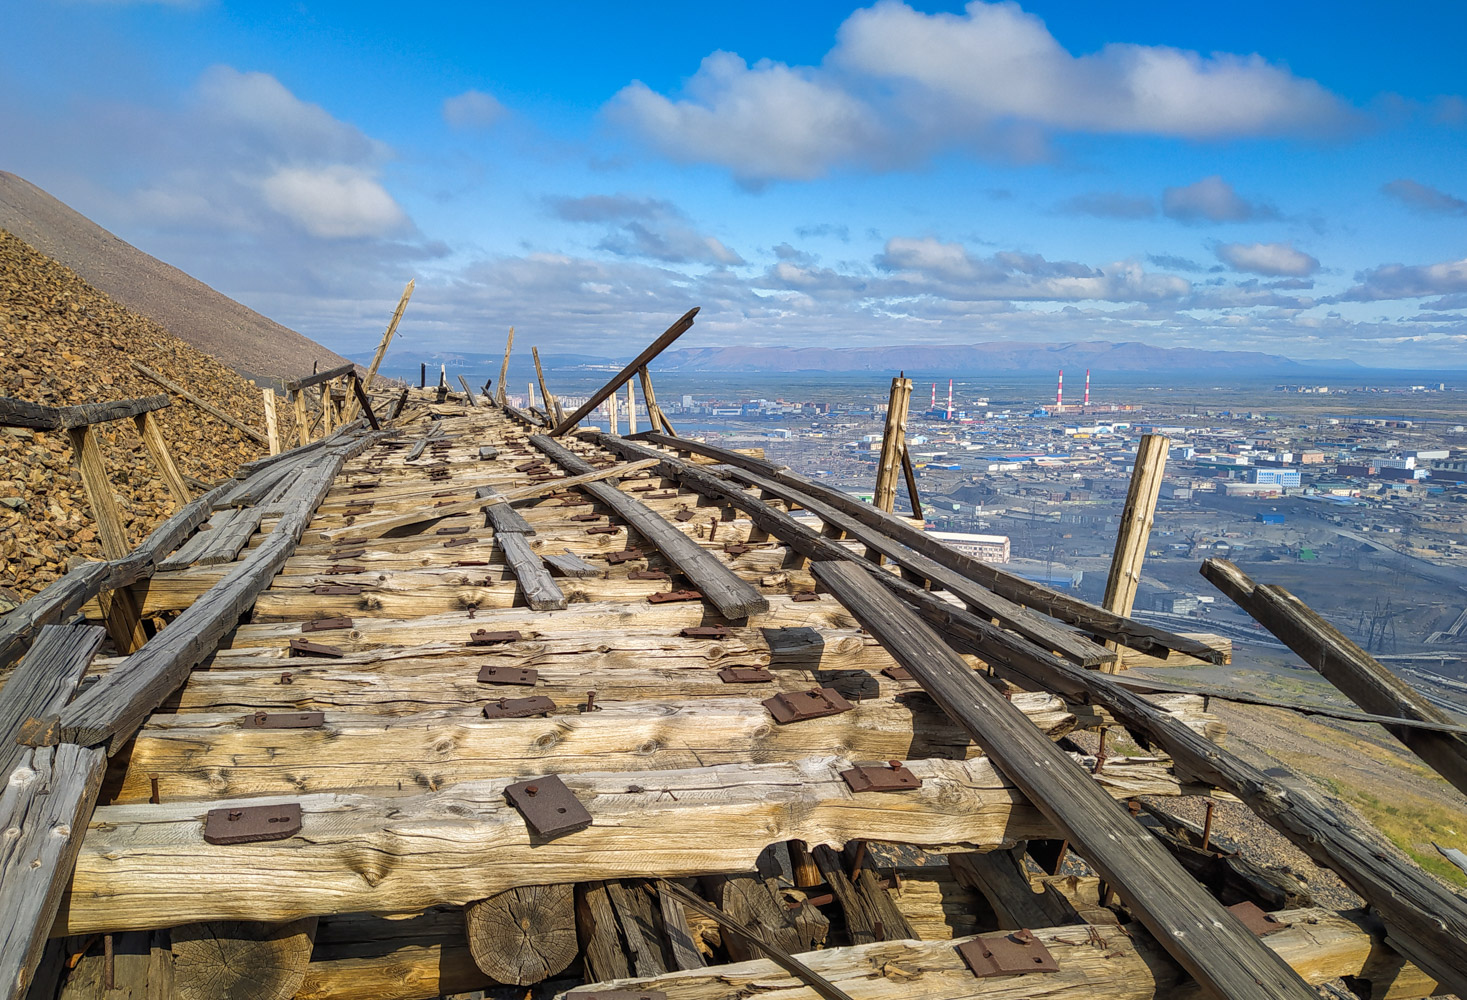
(302, 416)
(672, 333)
(631, 409)
(504, 367)
(119, 607)
(655, 416)
(153, 440)
(893, 443)
(272, 428)
(1135, 528)
(551, 403)
(612, 417)
(407, 293)
(911, 477)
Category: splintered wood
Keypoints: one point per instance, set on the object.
(468, 625)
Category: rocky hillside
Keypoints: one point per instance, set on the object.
(63, 342)
(235, 334)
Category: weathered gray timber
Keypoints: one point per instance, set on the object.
(1204, 938)
(44, 805)
(19, 413)
(43, 682)
(523, 936)
(227, 542)
(1041, 630)
(113, 709)
(501, 516)
(570, 564)
(1004, 881)
(681, 326)
(733, 597)
(1424, 920)
(1361, 677)
(239, 960)
(540, 590)
(1081, 614)
(190, 551)
(336, 437)
(207, 407)
(297, 384)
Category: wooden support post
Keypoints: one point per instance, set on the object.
(422, 375)
(655, 416)
(272, 427)
(672, 333)
(124, 623)
(893, 444)
(1362, 678)
(467, 391)
(1204, 938)
(523, 936)
(552, 405)
(611, 415)
(208, 408)
(504, 367)
(328, 416)
(911, 476)
(302, 416)
(152, 435)
(365, 403)
(631, 409)
(1135, 528)
(407, 293)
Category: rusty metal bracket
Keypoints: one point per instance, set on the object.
(684, 515)
(518, 708)
(283, 720)
(705, 632)
(304, 647)
(366, 484)
(875, 778)
(252, 824)
(353, 554)
(524, 676)
(672, 596)
(796, 706)
(897, 672)
(1256, 919)
(325, 624)
(625, 555)
(469, 562)
(549, 808)
(744, 675)
(586, 517)
(484, 637)
(801, 598)
(603, 529)
(1011, 954)
(465, 540)
(737, 549)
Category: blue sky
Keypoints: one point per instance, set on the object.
(1289, 178)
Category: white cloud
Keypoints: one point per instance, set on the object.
(1399, 281)
(1424, 198)
(763, 122)
(1212, 199)
(473, 109)
(1275, 260)
(259, 115)
(646, 227)
(333, 202)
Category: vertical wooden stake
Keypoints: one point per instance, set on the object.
(1135, 529)
(467, 391)
(504, 366)
(351, 403)
(911, 477)
(655, 416)
(893, 443)
(302, 417)
(124, 623)
(552, 406)
(422, 374)
(153, 440)
(631, 409)
(326, 406)
(613, 423)
(272, 429)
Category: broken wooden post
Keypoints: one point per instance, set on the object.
(504, 367)
(124, 623)
(612, 422)
(1135, 528)
(272, 427)
(910, 475)
(1361, 677)
(893, 443)
(208, 408)
(297, 398)
(655, 416)
(152, 435)
(682, 326)
(631, 410)
(552, 405)
(422, 374)
(407, 293)
(467, 391)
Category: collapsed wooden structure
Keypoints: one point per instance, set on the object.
(470, 697)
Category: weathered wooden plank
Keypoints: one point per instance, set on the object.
(201, 756)
(1204, 938)
(1361, 677)
(681, 948)
(43, 681)
(224, 544)
(500, 391)
(157, 446)
(320, 378)
(893, 444)
(683, 324)
(1124, 575)
(571, 565)
(189, 552)
(733, 597)
(19, 413)
(1096, 962)
(204, 405)
(537, 586)
(148, 866)
(503, 518)
(272, 422)
(365, 383)
(44, 800)
(1002, 879)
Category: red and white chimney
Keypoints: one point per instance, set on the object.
(934, 397)
(1087, 386)
(949, 399)
(1059, 392)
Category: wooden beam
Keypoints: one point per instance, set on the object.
(499, 389)
(910, 474)
(539, 588)
(732, 596)
(654, 414)
(272, 426)
(550, 405)
(467, 391)
(672, 333)
(124, 623)
(387, 335)
(613, 419)
(321, 378)
(152, 435)
(43, 682)
(523, 936)
(893, 444)
(19, 413)
(1359, 676)
(239, 960)
(1073, 611)
(207, 407)
(302, 417)
(631, 409)
(1135, 527)
(1210, 943)
(466, 842)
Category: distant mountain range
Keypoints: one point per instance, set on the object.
(994, 357)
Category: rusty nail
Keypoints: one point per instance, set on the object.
(154, 797)
(713, 527)
(590, 701)
(285, 678)
(1207, 825)
(235, 814)
(857, 860)
(1100, 754)
(108, 979)
(893, 764)
(260, 718)
(1059, 861)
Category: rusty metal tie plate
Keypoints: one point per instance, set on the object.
(325, 624)
(625, 555)
(465, 540)
(524, 676)
(483, 637)
(617, 995)
(744, 675)
(684, 515)
(671, 596)
(897, 672)
(283, 720)
(803, 597)
(647, 574)
(252, 824)
(462, 529)
(353, 554)
(518, 708)
(1010, 954)
(549, 807)
(1256, 919)
(304, 647)
(603, 529)
(892, 777)
(796, 706)
(585, 517)
(705, 632)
